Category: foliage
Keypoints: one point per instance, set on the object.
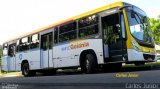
(0, 54)
(155, 25)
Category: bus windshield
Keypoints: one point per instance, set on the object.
(139, 25)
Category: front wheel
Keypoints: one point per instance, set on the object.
(89, 64)
(26, 71)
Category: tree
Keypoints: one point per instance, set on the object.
(0, 54)
(155, 25)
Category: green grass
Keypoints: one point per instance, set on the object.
(151, 64)
(10, 73)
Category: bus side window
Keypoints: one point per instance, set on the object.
(34, 41)
(24, 44)
(12, 50)
(68, 32)
(56, 35)
(17, 48)
(50, 41)
(44, 42)
(88, 26)
(5, 49)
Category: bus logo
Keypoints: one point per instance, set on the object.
(75, 46)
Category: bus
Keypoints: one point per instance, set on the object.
(112, 34)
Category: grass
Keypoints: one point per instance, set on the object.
(149, 64)
(10, 73)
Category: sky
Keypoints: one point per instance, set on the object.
(21, 16)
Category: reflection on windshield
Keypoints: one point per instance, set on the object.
(137, 31)
(139, 27)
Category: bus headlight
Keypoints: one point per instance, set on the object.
(135, 46)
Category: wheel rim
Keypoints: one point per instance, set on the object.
(26, 69)
(87, 64)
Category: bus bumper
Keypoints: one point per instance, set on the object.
(134, 55)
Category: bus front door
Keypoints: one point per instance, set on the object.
(114, 44)
(46, 50)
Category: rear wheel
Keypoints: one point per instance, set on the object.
(89, 64)
(26, 71)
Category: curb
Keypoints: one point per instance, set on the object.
(10, 75)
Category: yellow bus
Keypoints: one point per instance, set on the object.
(112, 34)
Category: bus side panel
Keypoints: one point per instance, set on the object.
(18, 61)
(11, 63)
(5, 63)
(68, 54)
(62, 57)
(34, 59)
(21, 56)
(96, 46)
(32, 56)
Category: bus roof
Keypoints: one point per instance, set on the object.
(116, 4)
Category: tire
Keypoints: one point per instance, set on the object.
(26, 72)
(89, 64)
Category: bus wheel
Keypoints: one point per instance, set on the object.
(26, 71)
(89, 64)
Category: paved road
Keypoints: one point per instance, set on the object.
(126, 78)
